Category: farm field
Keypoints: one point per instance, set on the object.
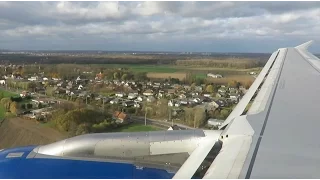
(239, 78)
(178, 75)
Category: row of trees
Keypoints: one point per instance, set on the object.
(9, 105)
(231, 63)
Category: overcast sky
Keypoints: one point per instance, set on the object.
(159, 26)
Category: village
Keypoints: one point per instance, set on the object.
(168, 101)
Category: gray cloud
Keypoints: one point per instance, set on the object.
(192, 26)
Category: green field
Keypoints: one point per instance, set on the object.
(137, 128)
(201, 75)
(7, 93)
(145, 68)
(2, 112)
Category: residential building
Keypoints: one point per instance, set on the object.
(121, 117)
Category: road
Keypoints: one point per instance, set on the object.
(160, 123)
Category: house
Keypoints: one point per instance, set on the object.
(160, 94)
(80, 87)
(136, 105)
(187, 87)
(171, 103)
(148, 92)
(150, 99)
(2, 82)
(222, 90)
(128, 103)
(139, 99)
(184, 102)
(215, 122)
(182, 96)
(132, 95)
(214, 75)
(220, 95)
(33, 78)
(60, 84)
(234, 97)
(194, 94)
(99, 76)
(198, 89)
(121, 117)
(45, 79)
(216, 104)
(114, 101)
(24, 94)
(120, 94)
(177, 104)
(174, 127)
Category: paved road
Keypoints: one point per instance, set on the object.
(161, 123)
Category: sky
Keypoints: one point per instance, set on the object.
(159, 26)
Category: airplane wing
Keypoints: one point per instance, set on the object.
(284, 119)
(276, 138)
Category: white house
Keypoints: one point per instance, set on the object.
(132, 95)
(148, 92)
(215, 122)
(120, 94)
(214, 75)
(80, 87)
(171, 103)
(33, 78)
(114, 101)
(2, 82)
(45, 79)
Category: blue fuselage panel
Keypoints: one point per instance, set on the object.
(35, 168)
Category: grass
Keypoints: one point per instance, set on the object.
(201, 75)
(146, 68)
(8, 93)
(2, 112)
(137, 128)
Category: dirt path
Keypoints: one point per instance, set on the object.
(19, 132)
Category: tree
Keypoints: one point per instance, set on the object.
(124, 77)
(224, 114)
(232, 83)
(1, 95)
(162, 107)
(210, 89)
(32, 86)
(6, 103)
(23, 106)
(199, 117)
(13, 107)
(193, 85)
(29, 106)
(247, 84)
(116, 75)
(49, 91)
(83, 129)
(40, 105)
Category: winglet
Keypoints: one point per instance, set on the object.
(304, 46)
